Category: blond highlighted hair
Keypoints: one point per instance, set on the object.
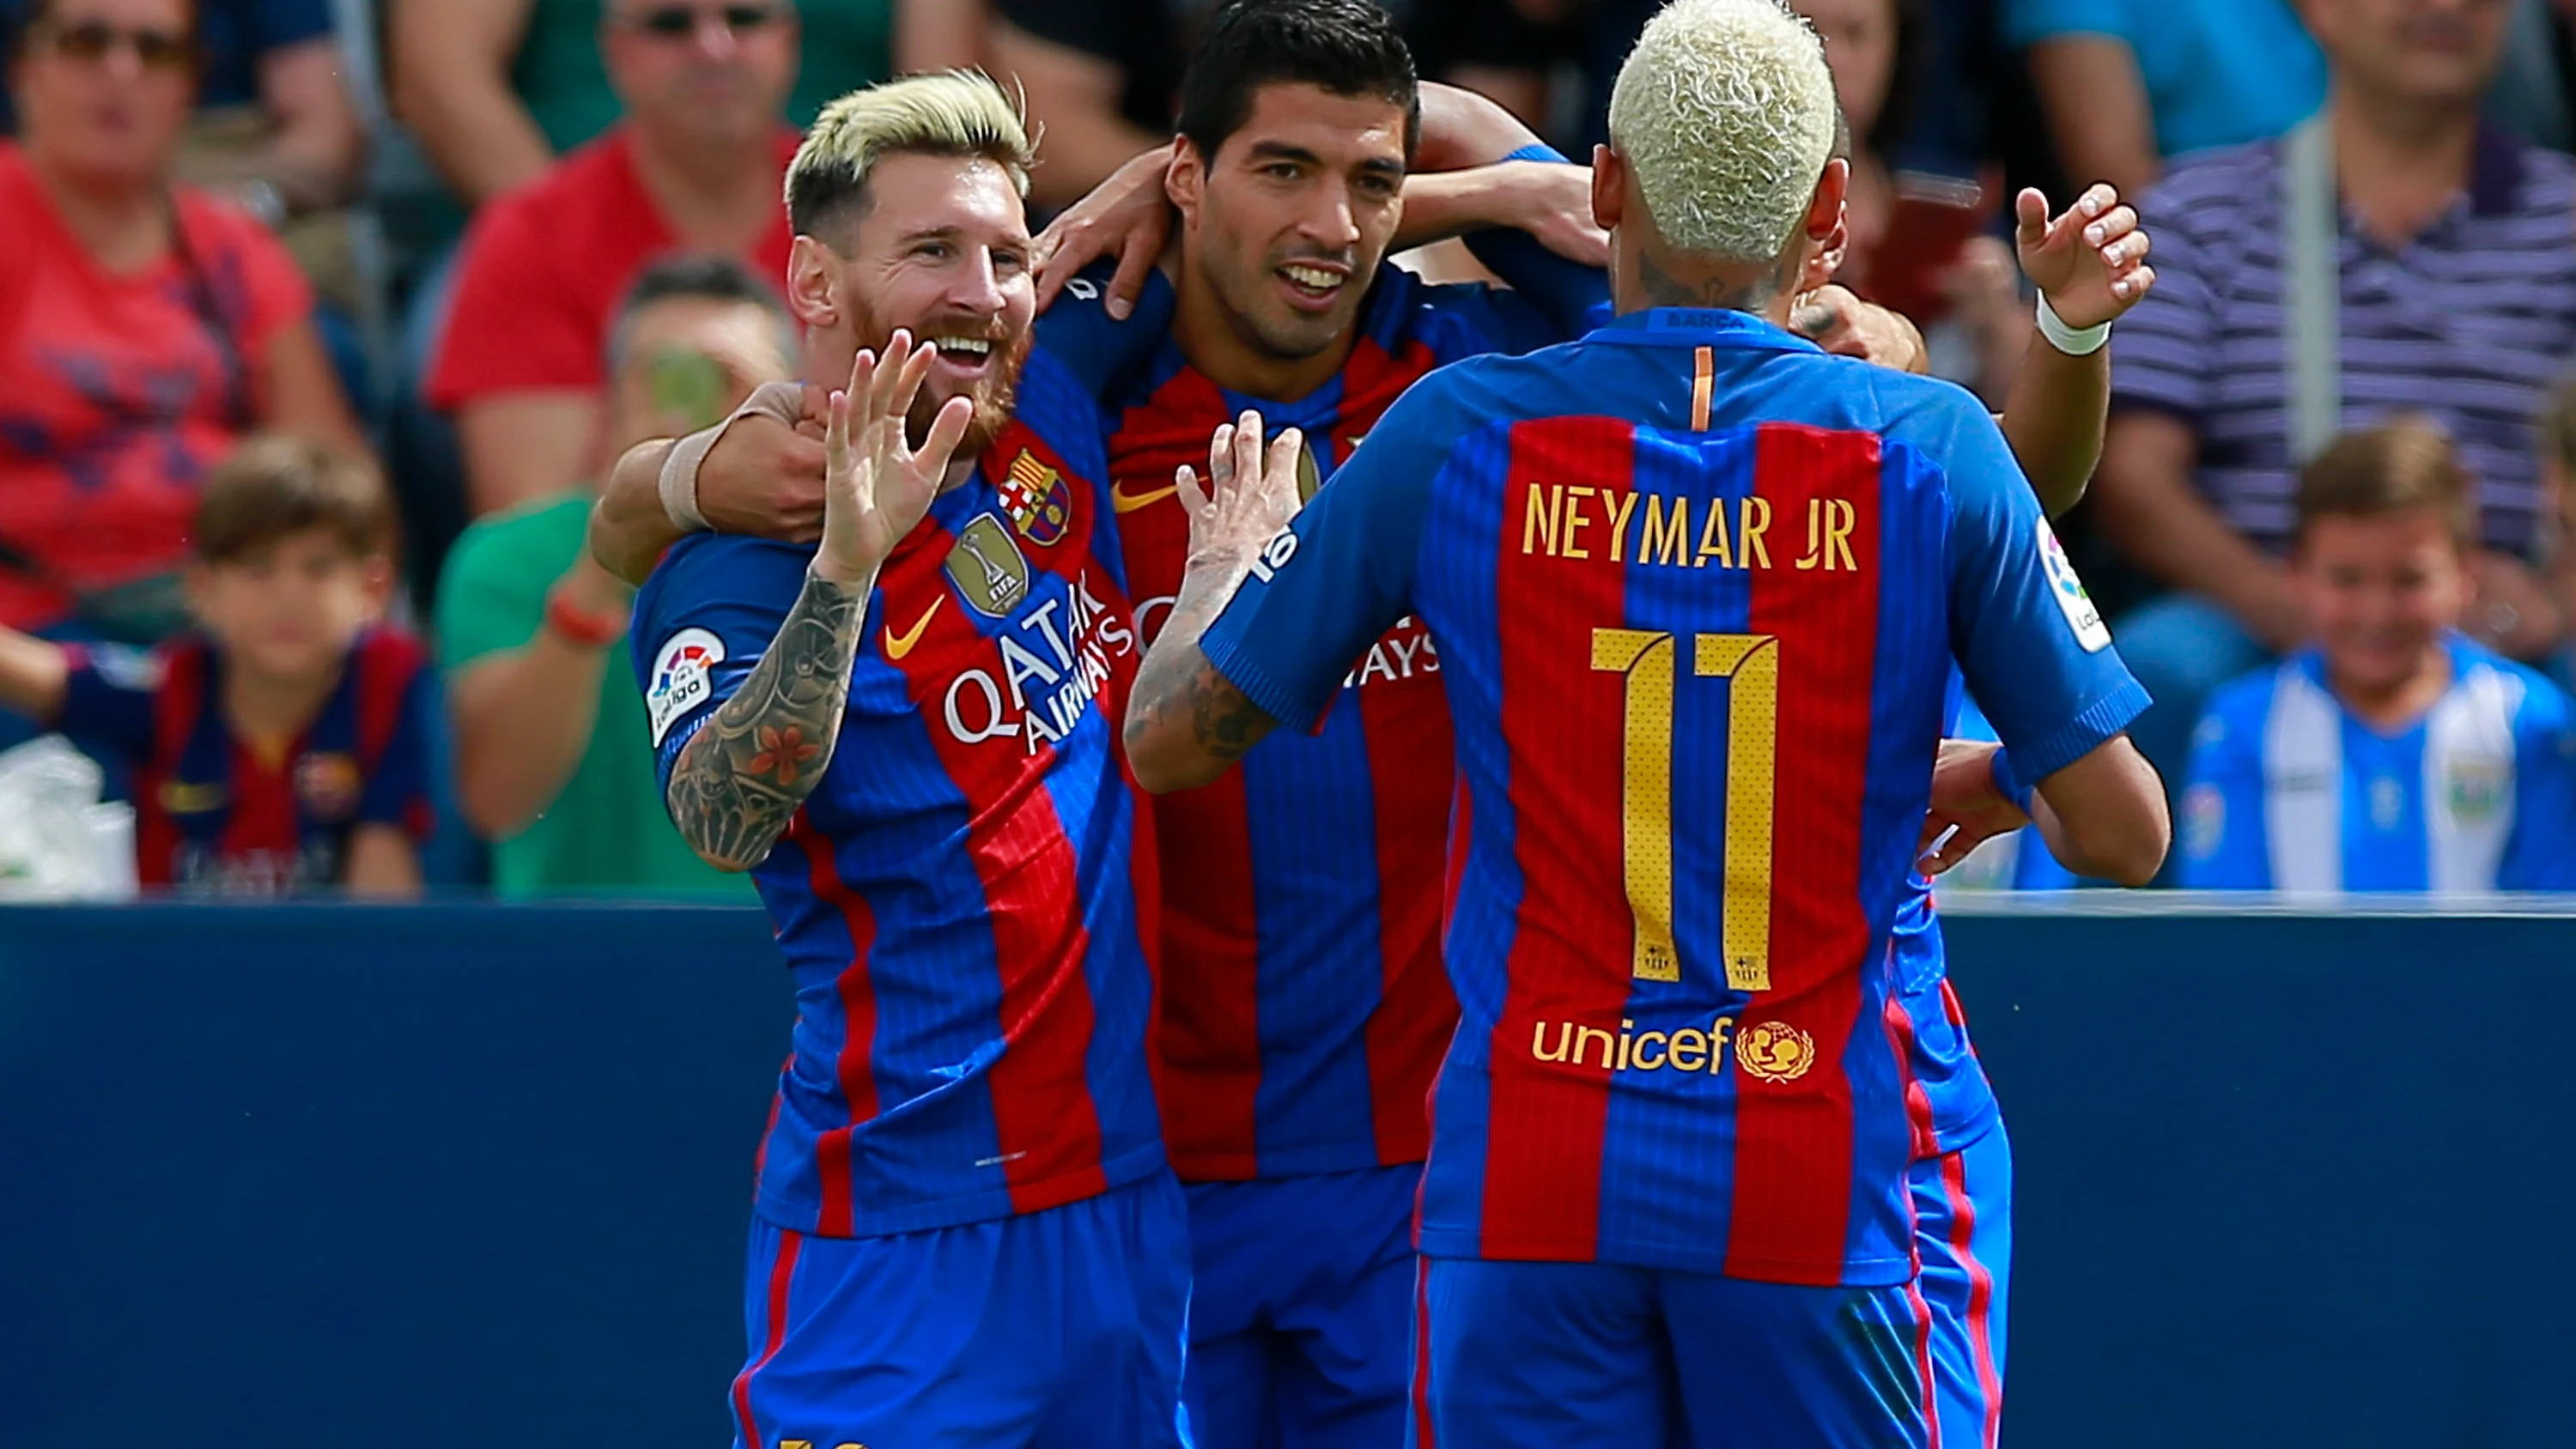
(959, 113)
(1725, 111)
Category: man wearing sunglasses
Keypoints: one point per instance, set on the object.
(694, 166)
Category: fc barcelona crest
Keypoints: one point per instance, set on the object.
(990, 572)
(1034, 493)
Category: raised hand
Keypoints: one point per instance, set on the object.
(1249, 498)
(876, 485)
(2090, 262)
(1128, 216)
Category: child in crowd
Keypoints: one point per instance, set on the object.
(281, 746)
(2394, 754)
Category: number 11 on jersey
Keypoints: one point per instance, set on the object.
(1649, 662)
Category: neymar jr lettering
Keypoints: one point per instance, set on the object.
(1578, 521)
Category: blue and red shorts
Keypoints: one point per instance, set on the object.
(1604, 1356)
(1058, 1328)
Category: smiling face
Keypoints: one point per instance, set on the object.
(2383, 588)
(942, 251)
(1288, 222)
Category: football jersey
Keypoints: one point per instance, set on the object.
(957, 898)
(2017, 861)
(2290, 792)
(213, 818)
(1691, 559)
(1305, 1010)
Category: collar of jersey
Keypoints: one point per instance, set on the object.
(1699, 327)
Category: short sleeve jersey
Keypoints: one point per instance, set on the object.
(2290, 791)
(958, 897)
(1695, 589)
(211, 816)
(1305, 1010)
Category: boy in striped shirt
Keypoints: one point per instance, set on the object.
(2395, 754)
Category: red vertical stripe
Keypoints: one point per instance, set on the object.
(1211, 1029)
(176, 709)
(1046, 1126)
(781, 1273)
(1564, 723)
(1923, 1371)
(1920, 1128)
(851, 1066)
(1406, 724)
(385, 663)
(1794, 1139)
(1981, 1294)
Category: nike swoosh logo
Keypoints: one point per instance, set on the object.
(899, 645)
(1126, 502)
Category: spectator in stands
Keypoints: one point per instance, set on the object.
(696, 166)
(2128, 85)
(496, 90)
(1917, 244)
(284, 746)
(2453, 292)
(149, 327)
(552, 760)
(2395, 755)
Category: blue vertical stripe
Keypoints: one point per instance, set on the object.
(1462, 552)
(1670, 1133)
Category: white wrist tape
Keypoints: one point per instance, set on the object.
(2073, 341)
(680, 478)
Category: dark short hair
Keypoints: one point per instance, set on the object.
(273, 487)
(2402, 464)
(698, 276)
(1345, 47)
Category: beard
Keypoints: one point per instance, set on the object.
(992, 395)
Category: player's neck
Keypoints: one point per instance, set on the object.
(1652, 275)
(1215, 343)
(2394, 707)
(269, 713)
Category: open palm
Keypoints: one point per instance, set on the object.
(2090, 261)
(876, 485)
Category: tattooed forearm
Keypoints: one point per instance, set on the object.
(740, 780)
(1185, 721)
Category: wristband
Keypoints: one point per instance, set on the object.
(2008, 780)
(2073, 341)
(578, 628)
(783, 401)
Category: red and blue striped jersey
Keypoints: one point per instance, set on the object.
(1696, 588)
(1305, 1012)
(958, 898)
(213, 818)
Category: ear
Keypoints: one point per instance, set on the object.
(1825, 210)
(1185, 180)
(814, 284)
(1824, 261)
(1609, 187)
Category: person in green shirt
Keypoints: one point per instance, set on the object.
(553, 762)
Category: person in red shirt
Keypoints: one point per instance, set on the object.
(149, 326)
(696, 165)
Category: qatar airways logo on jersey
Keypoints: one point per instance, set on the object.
(1055, 656)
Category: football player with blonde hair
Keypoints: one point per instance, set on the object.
(1695, 588)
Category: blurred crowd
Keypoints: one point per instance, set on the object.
(324, 317)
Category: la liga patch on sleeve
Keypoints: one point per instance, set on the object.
(683, 678)
(2068, 591)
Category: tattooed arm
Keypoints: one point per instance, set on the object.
(745, 774)
(741, 779)
(1187, 723)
